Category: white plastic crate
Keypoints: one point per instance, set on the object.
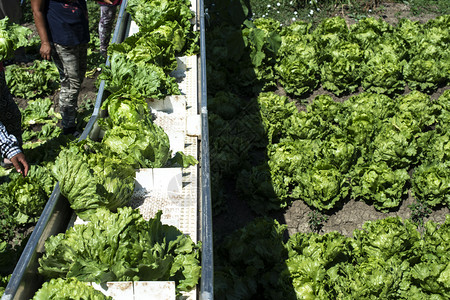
(138, 290)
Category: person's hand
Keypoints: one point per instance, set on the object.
(20, 163)
(107, 1)
(46, 50)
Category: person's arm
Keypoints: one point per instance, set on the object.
(38, 7)
(9, 148)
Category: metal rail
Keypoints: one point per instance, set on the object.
(207, 279)
(120, 33)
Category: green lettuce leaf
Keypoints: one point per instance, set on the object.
(385, 238)
(247, 262)
(142, 144)
(12, 36)
(431, 183)
(91, 179)
(122, 246)
(125, 107)
(379, 185)
(340, 68)
(368, 31)
(39, 80)
(431, 274)
(297, 61)
(149, 80)
(70, 288)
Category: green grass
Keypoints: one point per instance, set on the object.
(287, 11)
(418, 7)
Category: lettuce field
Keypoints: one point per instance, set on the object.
(326, 135)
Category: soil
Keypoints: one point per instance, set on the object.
(353, 214)
(391, 13)
(88, 92)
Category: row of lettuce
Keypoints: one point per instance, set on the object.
(371, 54)
(97, 177)
(386, 259)
(363, 148)
(137, 249)
(269, 147)
(23, 198)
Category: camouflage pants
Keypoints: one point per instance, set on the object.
(71, 63)
(10, 115)
(107, 14)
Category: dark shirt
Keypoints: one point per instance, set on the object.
(68, 23)
(114, 3)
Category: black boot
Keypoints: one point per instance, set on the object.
(71, 130)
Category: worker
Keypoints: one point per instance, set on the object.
(108, 10)
(63, 28)
(10, 130)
